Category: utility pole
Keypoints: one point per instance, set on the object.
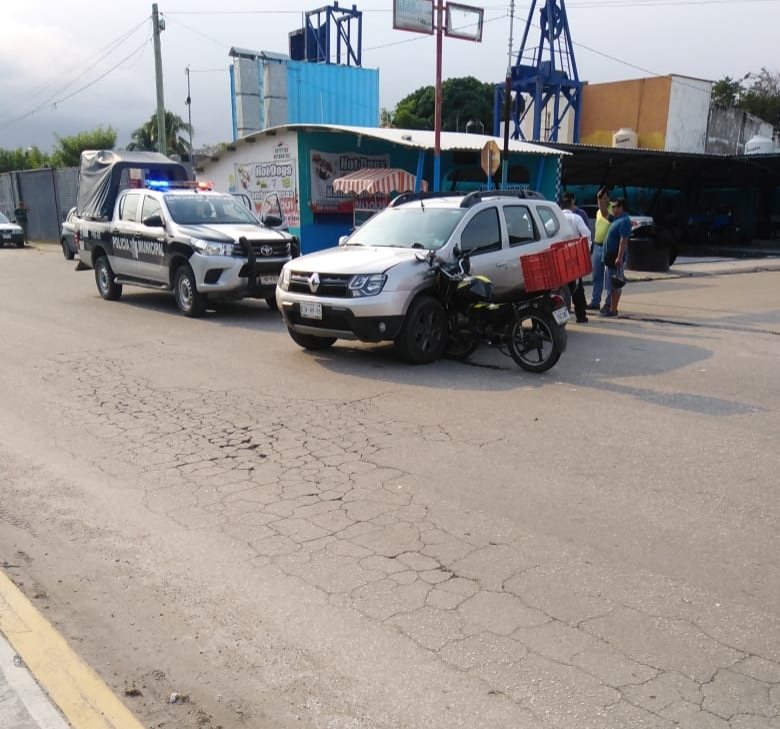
(507, 99)
(158, 25)
(189, 114)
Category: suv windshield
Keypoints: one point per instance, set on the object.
(3, 219)
(408, 227)
(212, 210)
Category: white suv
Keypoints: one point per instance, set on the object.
(364, 288)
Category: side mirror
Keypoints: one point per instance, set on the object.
(272, 221)
(343, 240)
(456, 252)
(154, 221)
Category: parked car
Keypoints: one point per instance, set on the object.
(10, 232)
(641, 224)
(70, 246)
(373, 285)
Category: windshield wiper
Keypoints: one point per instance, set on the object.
(418, 245)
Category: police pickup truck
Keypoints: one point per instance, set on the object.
(166, 233)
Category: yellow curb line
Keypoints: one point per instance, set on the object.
(84, 699)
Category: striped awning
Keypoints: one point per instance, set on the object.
(377, 182)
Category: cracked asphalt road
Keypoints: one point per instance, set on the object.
(343, 541)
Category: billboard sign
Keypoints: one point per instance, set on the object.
(464, 21)
(329, 166)
(414, 15)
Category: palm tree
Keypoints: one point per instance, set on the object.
(145, 137)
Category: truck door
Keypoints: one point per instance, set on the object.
(124, 234)
(151, 263)
(272, 213)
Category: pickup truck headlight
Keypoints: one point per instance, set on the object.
(212, 247)
(367, 285)
(284, 279)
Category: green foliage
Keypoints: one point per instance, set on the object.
(22, 159)
(145, 137)
(463, 99)
(763, 98)
(67, 150)
(726, 92)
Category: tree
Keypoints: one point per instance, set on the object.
(67, 150)
(463, 99)
(145, 137)
(726, 92)
(22, 159)
(763, 97)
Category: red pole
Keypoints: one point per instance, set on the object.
(437, 112)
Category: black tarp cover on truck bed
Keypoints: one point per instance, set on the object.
(100, 173)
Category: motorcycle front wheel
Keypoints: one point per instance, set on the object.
(535, 341)
(461, 345)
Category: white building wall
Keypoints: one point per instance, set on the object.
(256, 169)
(689, 109)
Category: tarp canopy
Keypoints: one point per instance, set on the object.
(100, 175)
(377, 182)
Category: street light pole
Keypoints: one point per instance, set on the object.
(437, 109)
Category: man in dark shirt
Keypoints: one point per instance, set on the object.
(615, 253)
(20, 216)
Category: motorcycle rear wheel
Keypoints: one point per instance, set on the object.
(535, 341)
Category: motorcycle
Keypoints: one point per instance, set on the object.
(530, 330)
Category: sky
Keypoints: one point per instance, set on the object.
(66, 67)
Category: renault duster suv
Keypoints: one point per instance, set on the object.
(374, 287)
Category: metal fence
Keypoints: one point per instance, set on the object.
(47, 193)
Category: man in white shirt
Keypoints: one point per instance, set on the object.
(578, 230)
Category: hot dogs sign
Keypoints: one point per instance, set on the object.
(257, 180)
(327, 166)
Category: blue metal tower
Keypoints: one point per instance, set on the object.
(313, 42)
(543, 74)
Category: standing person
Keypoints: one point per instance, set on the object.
(20, 216)
(579, 229)
(615, 254)
(603, 219)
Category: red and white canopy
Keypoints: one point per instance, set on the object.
(377, 182)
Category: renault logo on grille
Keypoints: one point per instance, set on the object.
(266, 251)
(314, 282)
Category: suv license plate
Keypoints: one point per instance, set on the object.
(269, 279)
(311, 310)
(561, 315)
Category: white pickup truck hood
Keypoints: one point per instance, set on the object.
(353, 259)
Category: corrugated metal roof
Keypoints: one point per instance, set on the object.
(416, 138)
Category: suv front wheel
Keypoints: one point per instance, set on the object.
(190, 302)
(423, 336)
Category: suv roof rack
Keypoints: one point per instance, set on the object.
(477, 196)
(406, 197)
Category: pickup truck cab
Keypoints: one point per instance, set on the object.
(180, 236)
(365, 288)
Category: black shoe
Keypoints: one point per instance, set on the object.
(582, 319)
(592, 307)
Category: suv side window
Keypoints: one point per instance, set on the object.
(128, 207)
(549, 220)
(520, 225)
(482, 233)
(150, 207)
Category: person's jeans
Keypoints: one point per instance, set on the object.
(619, 270)
(597, 258)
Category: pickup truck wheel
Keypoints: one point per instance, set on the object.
(66, 251)
(308, 341)
(424, 334)
(271, 301)
(190, 302)
(104, 278)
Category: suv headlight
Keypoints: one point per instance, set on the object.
(212, 247)
(284, 279)
(367, 285)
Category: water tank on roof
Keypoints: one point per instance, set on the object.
(759, 145)
(625, 137)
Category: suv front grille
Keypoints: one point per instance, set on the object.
(331, 284)
(263, 249)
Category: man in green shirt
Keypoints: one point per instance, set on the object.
(603, 219)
